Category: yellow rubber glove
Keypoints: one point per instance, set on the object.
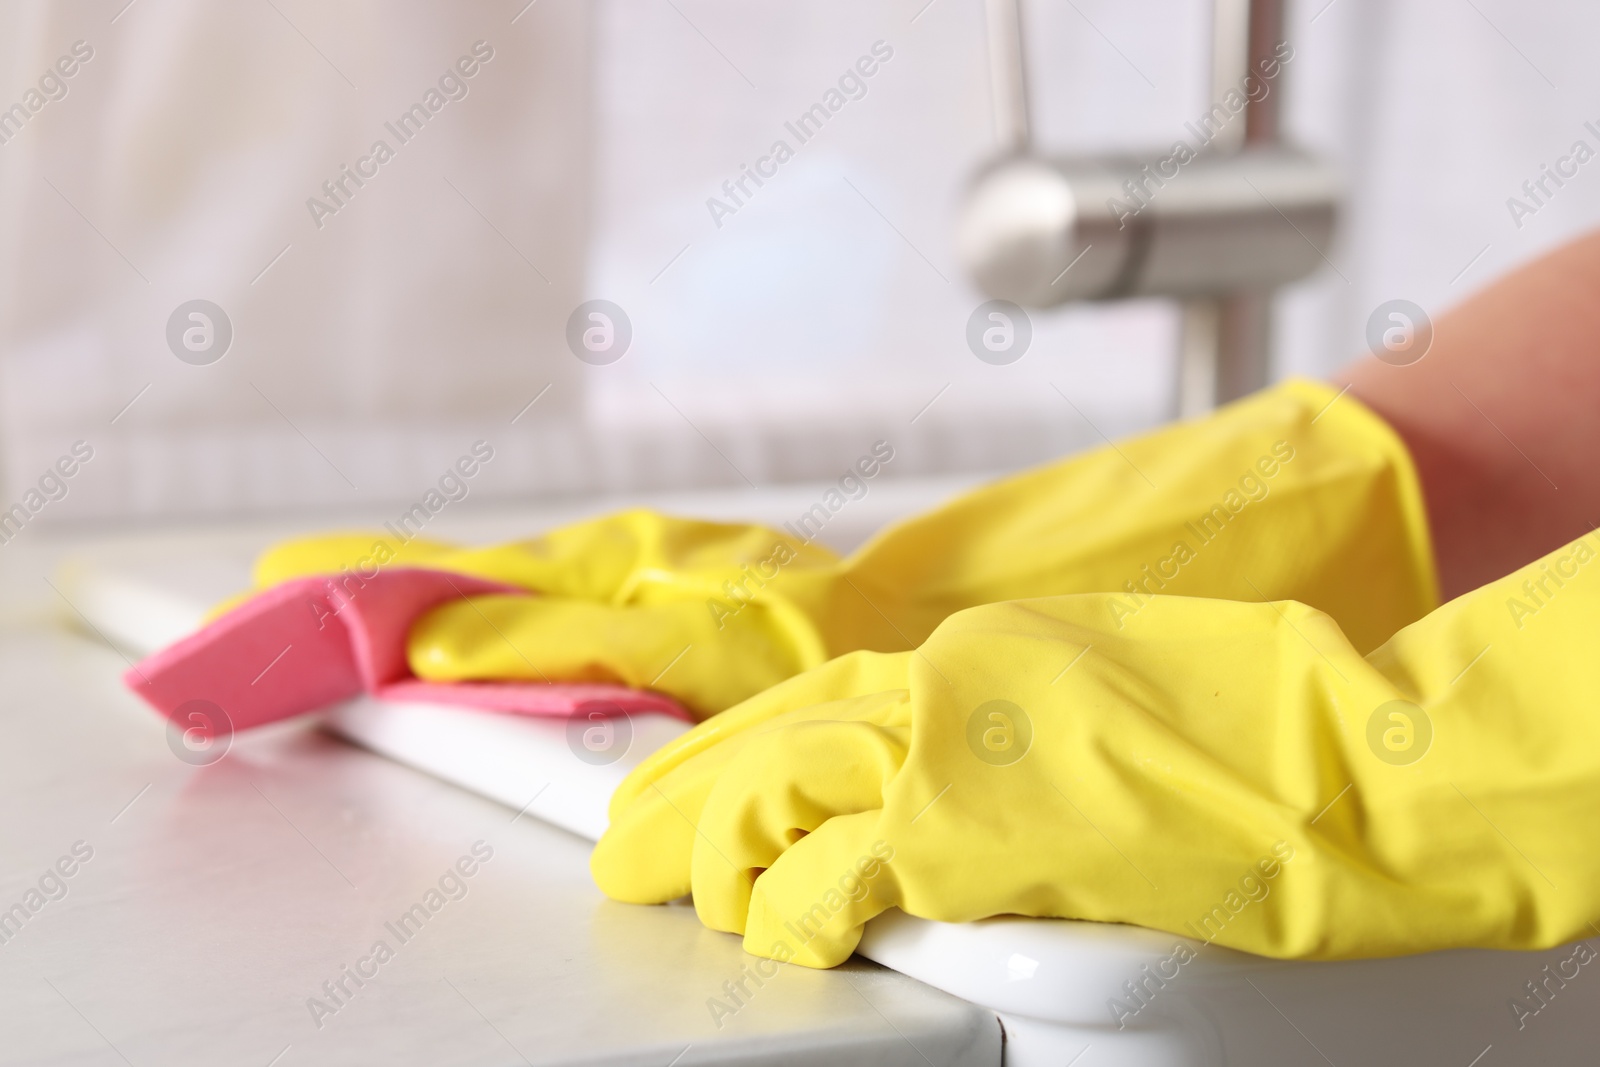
(1281, 495)
(1228, 771)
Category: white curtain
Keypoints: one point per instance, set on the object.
(370, 347)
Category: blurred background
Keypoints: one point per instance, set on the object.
(375, 339)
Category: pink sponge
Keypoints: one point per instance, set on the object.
(312, 642)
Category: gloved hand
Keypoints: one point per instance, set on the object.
(1281, 495)
(1235, 772)
(637, 598)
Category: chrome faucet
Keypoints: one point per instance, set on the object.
(1217, 220)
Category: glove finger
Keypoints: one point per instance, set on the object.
(643, 857)
(504, 637)
(617, 557)
(586, 561)
(331, 553)
(646, 853)
(672, 648)
(841, 678)
(783, 785)
(811, 904)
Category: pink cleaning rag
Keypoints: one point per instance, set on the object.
(311, 642)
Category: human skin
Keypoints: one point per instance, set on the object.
(1502, 416)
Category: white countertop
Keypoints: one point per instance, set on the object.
(219, 899)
